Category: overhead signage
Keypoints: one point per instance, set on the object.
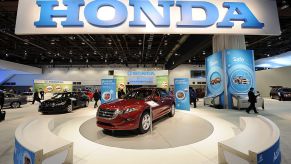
(141, 73)
(255, 17)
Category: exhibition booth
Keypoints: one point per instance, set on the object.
(145, 115)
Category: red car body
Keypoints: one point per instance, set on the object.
(126, 114)
(89, 94)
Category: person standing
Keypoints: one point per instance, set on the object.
(121, 93)
(96, 97)
(252, 100)
(193, 97)
(1, 99)
(41, 94)
(36, 97)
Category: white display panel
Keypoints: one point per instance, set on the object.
(265, 11)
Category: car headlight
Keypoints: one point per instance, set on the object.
(129, 110)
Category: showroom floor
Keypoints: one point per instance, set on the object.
(279, 112)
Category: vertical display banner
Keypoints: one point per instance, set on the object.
(22, 155)
(162, 82)
(108, 90)
(240, 70)
(182, 97)
(121, 82)
(215, 76)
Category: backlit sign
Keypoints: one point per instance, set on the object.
(147, 16)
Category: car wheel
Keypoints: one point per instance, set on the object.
(69, 108)
(145, 122)
(15, 105)
(172, 111)
(87, 103)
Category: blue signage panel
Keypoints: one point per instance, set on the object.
(140, 80)
(141, 73)
(215, 76)
(22, 155)
(271, 155)
(240, 71)
(108, 90)
(182, 97)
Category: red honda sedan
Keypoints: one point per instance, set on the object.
(132, 112)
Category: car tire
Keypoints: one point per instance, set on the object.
(172, 111)
(86, 104)
(69, 108)
(145, 122)
(15, 105)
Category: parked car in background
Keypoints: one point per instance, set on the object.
(64, 102)
(29, 96)
(13, 100)
(132, 112)
(281, 94)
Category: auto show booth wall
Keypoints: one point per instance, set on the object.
(273, 77)
(93, 76)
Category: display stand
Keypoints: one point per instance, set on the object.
(152, 105)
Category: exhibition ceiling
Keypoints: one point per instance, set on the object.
(91, 49)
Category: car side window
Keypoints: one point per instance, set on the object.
(163, 93)
(157, 94)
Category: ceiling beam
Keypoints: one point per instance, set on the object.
(181, 59)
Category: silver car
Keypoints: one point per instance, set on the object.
(13, 100)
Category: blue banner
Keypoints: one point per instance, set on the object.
(182, 97)
(240, 71)
(108, 90)
(215, 76)
(22, 155)
(271, 155)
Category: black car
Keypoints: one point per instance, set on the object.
(64, 102)
(281, 94)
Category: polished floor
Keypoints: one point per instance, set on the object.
(279, 112)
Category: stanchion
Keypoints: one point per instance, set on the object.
(151, 115)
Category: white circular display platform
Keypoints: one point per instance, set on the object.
(168, 132)
(203, 151)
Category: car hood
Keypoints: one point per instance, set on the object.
(123, 104)
(55, 100)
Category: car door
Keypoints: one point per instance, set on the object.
(8, 99)
(166, 101)
(157, 111)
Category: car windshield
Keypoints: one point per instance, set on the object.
(60, 95)
(138, 94)
(286, 90)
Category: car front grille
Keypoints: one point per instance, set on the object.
(106, 113)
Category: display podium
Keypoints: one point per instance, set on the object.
(152, 105)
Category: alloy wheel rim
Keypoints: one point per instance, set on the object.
(146, 122)
(14, 105)
(69, 108)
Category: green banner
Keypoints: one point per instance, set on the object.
(163, 82)
(121, 82)
(53, 86)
